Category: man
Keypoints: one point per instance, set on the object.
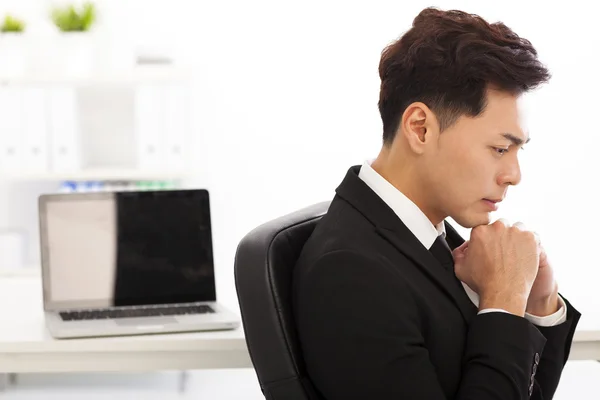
(384, 310)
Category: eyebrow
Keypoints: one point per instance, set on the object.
(517, 141)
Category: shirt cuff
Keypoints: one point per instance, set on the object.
(557, 318)
(488, 310)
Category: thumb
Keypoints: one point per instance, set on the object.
(460, 252)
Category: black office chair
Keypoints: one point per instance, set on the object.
(264, 263)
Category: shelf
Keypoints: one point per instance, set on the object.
(94, 174)
(137, 75)
(27, 271)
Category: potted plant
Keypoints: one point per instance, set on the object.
(12, 46)
(74, 24)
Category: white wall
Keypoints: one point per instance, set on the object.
(287, 96)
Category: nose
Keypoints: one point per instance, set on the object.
(511, 173)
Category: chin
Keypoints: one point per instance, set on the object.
(471, 220)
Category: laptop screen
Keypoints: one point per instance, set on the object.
(126, 248)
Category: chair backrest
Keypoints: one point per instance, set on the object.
(264, 263)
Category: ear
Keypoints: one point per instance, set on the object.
(418, 126)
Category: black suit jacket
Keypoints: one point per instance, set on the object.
(379, 318)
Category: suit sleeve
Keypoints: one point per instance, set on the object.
(556, 353)
(360, 332)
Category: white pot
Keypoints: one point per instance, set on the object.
(76, 58)
(12, 55)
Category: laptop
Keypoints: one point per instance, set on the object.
(129, 263)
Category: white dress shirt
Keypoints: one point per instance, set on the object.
(416, 221)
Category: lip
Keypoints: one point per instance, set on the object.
(491, 204)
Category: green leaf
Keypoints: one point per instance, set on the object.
(69, 19)
(12, 24)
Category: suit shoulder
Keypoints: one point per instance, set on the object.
(342, 228)
(339, 257)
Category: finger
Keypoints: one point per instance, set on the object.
(543, 255)
(504, 221)
(537, 239)
(541, 252)
(520, 225)
(464, 244)
(461, 250)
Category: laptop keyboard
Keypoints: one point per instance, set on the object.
(135, 312)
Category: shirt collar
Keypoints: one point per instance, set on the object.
(410, 214)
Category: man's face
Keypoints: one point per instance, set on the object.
(477, 159)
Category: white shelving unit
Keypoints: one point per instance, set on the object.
(136, 75)
(110, 145)
(27, 271)
(106, 174)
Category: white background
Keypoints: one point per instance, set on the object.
(286, 100)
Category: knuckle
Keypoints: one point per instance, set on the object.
(499, 225)
(529, 236)
(478, 231)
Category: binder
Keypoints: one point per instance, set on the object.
(65, 145)
(35, 130)
(148, 126)
(176, 127)
(11, 138)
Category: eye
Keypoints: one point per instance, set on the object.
(500, 150)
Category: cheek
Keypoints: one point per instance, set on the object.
(469, 177)
(461, 176)
(462, 166)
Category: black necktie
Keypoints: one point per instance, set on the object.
(442, 252)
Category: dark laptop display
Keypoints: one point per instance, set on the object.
(164, 248)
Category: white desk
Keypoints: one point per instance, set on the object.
(26, 346)
(586, 341)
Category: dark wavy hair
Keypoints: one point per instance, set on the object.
(447, 60)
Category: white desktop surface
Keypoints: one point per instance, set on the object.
(586, 341)
(26, 345)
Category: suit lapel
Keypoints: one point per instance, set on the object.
(410, 246)
(452, 237)
(392, 229)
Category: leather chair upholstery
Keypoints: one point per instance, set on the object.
(264, 263)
